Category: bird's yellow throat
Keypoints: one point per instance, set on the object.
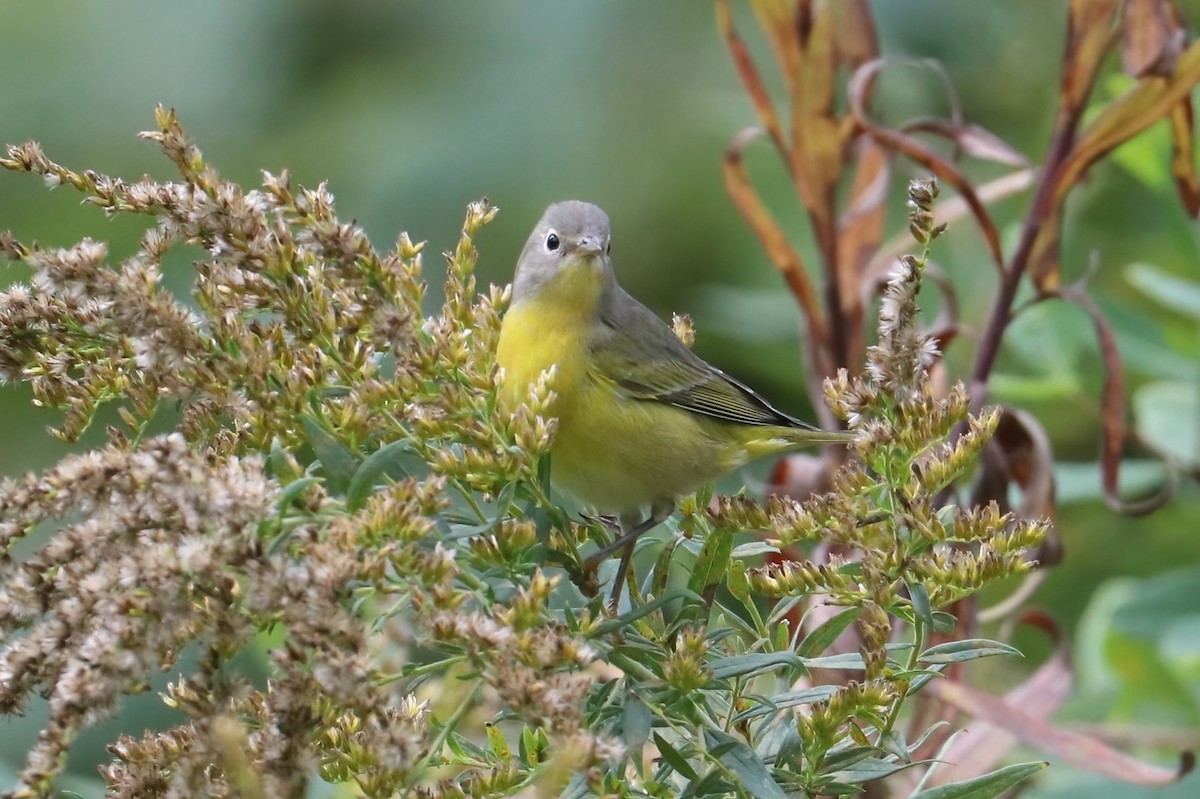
(548, 329)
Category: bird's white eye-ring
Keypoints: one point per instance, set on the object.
(552, 242)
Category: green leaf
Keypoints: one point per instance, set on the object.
(753, 548)
(643, 610)
(635, 725)
(969, 649)
(1174, 292)
(920, 603)
(338, 464)
(712, 563)
(820, 693)
(823, 637)
(753, 664)
(867, 769)
(1168, 418)
(294, 490)
(661, 574)
(387, 461)
(985, 787)
(672, 758)
(282, 467)
(496, 742)
(741, 760)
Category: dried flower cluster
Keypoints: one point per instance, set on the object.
(305, 342)
(341, 489)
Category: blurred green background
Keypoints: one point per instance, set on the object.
(412, 109)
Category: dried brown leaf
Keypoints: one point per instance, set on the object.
(1151, 38)
(774, 241)
(1183, 163)
(984, 745)
(854, 32)
(1072, 747)
(859, 232)
(1090, 31)
(1020, 454)
(751, 79)
(973, 140)
(1045, 257)
(916, 151)
(1113, 405)
(1150, 100)
(818, 136)
(1153, 98)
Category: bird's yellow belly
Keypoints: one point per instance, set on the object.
(612, 453)
(616, 454)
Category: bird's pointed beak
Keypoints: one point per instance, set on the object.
(589, 245)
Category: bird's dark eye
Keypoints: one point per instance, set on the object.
(608, 249)
(552, 242)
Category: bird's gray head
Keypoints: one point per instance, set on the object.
(569, 233)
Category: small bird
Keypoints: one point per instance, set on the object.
(642, 420)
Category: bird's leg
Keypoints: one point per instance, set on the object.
(631, 532)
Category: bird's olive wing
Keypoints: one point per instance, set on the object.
(682, 379)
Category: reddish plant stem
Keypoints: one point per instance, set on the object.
(1039, 212)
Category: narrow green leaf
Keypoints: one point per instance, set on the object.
(741, 760)
(661, 573)
(752, 548)
(387, 461)
(672, 758)
(944, 622)
(920, 603)
(338, 464)
(867, 769)
(294, 490)
(642, 610)
(496, 742)
(823, 637)
(753, 664)
(712, 563)
(821, 693)
(1172, 291)
(281, 466)
(635, 725)
(970, 649)
(985, 787)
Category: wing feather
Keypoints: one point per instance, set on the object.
(654, 366)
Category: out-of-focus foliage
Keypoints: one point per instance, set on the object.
(340, 471)
(412, 109)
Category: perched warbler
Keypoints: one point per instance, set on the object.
(642, 420)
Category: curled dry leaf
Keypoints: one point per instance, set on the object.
(854, 32)
(750, 77)
(1153, 98)
(1090, 32)
(1027, 726)
(1183, 162)
(770, 234)
(1020, 454)
(1152, 37)
(942, 167)
(984, 745)
(1113, 405)
(859, 232)
(973, 140)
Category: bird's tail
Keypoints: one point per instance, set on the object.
(778, 440)
(810, 436)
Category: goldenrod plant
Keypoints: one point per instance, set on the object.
(335, 487)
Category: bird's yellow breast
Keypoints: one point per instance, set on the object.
(550, 329)
(613, 453)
